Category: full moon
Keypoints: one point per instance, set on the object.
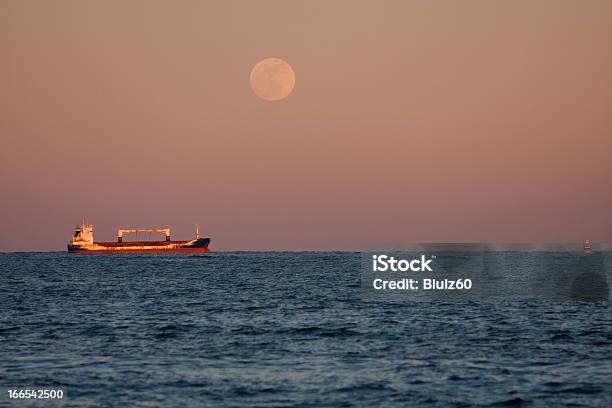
(272, 79)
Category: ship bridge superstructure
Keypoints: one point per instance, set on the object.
(83, 234)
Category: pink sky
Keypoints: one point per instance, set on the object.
(410, 121)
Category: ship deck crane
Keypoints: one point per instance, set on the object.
(121, 232)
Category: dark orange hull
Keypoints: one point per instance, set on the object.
(154, 247)
(141, 251)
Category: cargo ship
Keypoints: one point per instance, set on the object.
(83, 242)
(587, 247)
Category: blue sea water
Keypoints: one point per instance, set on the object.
(282, 329)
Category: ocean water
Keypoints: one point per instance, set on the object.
(282, 329)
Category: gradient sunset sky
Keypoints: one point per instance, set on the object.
(410, 121)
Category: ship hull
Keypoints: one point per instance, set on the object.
(161, 247)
